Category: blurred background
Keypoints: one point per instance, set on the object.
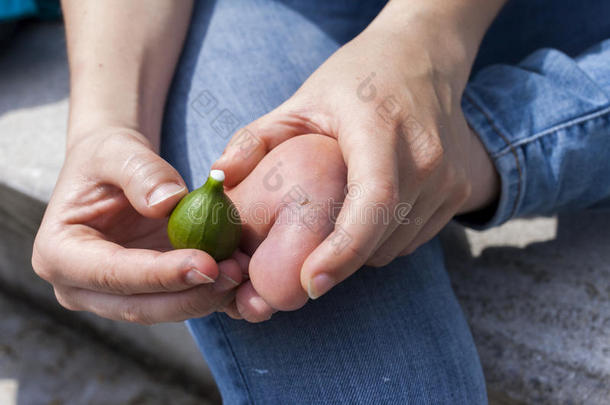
(536, 291)
(49, 355)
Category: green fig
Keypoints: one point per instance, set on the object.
(206, 219)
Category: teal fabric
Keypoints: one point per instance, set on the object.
(13, 9)
(17, 9)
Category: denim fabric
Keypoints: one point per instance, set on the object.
(394, 335)
(546, 120)
(385, 336)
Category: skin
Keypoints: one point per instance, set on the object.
(106, 254)
(280, 245)
(102, 242)
(416, 58)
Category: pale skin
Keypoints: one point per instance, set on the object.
(102, 243)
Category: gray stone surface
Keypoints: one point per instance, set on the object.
(33, 113)
(33, 109)
(44, 362)
(537, 296)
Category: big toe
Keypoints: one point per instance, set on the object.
(276, 265)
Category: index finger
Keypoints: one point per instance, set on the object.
(92, 263)
(250, 144)
(364, 216)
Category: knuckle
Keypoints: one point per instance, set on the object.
(386, 191)
(140, 165)
(134, 313)
(357, 250)
(107, 280)
(195, 306)
(142, 168)
(40, 264)
(428, 156)
(157, 282)
(426, 167)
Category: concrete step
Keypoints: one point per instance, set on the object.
(43, 361)
(537, 296)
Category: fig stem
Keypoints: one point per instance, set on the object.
(215, 181)
(217, 175)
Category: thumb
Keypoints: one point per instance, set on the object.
(372, 195)
(250, 144)
(151, 184)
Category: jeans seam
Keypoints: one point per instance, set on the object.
(239, 368)
(555, 129)
(510, 146)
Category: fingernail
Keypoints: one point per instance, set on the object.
(259, 304)
(195, 277)
(163, 192)
(229, 279)
(225, 283)
(319, 285)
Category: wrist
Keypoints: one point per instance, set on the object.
(448, 33)
(120, 71)
(102, 99)
(91, 139)
(482, 174)
(87, 124)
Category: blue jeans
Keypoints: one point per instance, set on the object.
(396, 334)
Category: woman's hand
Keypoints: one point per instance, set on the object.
(391, 99)
(103, 243)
